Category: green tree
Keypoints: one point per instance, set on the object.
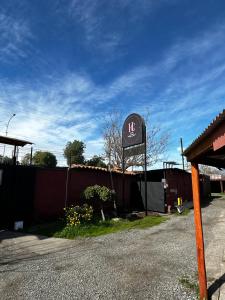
(44, 159)
(26, 160)
(6, 160)
(96, 161)
(74, 152)
(98, 193)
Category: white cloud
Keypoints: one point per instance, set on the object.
(15, 37)
(107, 32)
(178, 90)
(94, 146)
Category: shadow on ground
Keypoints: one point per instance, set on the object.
(215, 286)
(5, 235)
(16, 247)
(207, 202)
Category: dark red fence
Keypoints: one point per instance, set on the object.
(32, 193)
(55, 187)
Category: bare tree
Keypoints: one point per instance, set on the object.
(157, 142)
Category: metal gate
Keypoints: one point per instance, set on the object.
(16, 194)
(155, 196)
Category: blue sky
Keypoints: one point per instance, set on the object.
(65, 64)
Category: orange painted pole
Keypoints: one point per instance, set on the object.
(199, 232)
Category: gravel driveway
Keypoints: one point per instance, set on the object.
(137, 264)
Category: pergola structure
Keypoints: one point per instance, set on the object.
(13, 142)
(207, 149)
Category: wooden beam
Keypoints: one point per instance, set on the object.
(200, 149)
(199, 232)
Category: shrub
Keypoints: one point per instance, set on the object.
(76, 215)
(105, 194)
(99, 193)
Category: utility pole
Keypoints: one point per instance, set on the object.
(182, 151)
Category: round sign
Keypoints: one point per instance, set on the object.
(133, 131)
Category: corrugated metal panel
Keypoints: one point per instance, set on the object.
(216, 122)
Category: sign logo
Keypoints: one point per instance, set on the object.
(131, 129)
(133, 132)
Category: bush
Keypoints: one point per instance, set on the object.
(105, 194)
(76, 215)
(99, 193)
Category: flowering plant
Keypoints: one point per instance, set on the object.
(76, 215)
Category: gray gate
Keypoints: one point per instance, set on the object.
(155, 196)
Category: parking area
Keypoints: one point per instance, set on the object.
(155, 263)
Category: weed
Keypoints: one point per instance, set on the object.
(186, 282)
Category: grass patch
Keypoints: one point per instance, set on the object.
(59, 229)
(187, 283)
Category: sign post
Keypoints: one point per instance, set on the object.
(146, 203)
(134, 143)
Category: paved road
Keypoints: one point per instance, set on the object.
(137, 264)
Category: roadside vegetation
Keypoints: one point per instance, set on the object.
(95, 228)
(87, 221)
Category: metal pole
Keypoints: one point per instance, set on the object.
(67, 182)
(146, 208)
(70, 163)
(164, 176)
(6, 132)
(31, 155)
(14, 155)
(123, 179)
(112, 184)
(17, 154)
(182, 151)
(7, 126)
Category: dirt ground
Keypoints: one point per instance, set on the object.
(155, 263)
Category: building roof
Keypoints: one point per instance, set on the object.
(209, 147)
(212, 126)
(77, 166)
(12, 141)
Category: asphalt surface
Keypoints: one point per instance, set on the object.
(135, 264)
